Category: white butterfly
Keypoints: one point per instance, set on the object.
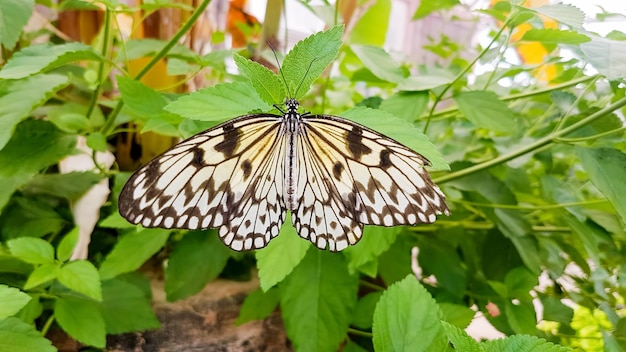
(333, 174)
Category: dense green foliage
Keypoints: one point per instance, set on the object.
(533, 172)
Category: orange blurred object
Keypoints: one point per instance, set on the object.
(238, 22)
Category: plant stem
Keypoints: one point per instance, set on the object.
(105, 49)
(545, 141)
(110, 122)
(359, 332)
(47, 325)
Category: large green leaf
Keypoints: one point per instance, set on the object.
(407, 318)
(81, 276)
(14, 15)
(32, 250)
(372, 26)
(18, 336)
(522, 343)
(132, 250)
(317, 299)
(379, 62)
(82, 320)
(265, 82)
(125, 308)
(11, 301)
(18, 98)
(460, 339)
(606, 168)
(205, 253)
(486, 110)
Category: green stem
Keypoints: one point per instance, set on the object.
(104, 52)
(464, 72)
(359, 332)
(534, 207)
(110, 122)
(47, 325)
(542, 142)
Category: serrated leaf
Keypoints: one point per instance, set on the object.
(265, 82)
(41, 275)
(606, 168)
(44, 57)
(19, 98)
(18, 336)
(11, 301)
(407, 319)
(427, 7)
(258, 305)
(607, 56)
(554, 36)
(564, 13)
(281, 255)
(460, 339)
(399, 130)
(140, 98)
(218, 103)
(67, 245)
(14, 15)
(317, 299)
(81, 276)
(379, 62)
(406, 105)
(309, 58)
(522, 343)
(82, 320)
(71, 185)
(125, 308)
(32, 250)
(485, 110)
(132, 250)
(205, 253)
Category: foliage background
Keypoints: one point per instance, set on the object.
(535, 149)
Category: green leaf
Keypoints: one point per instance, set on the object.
(115, 221)
(132, 250)
(456, 314)
(19, 98)
(45, 57)
(564, 13)
(82, 320)
(375, 240)
(70, 122)
(67, 245)
(70, 186)
(372, 26)
(406, 133)
(81, 276)
(11, 301)
(554, 36)
(97, 141)
(428, 7)
(522, 343)
(309, 58)
(43, 274)
(14, 15)
(281, 255)
(379, 62)
(607, 56)
(28, 218)
(125, 308)
(139, 48)
(18, 336)
(32, 250)
(317, 299)
(521, 317)
(363, 317)
(395, 263)
(460, 339)
(425, 82)
(258, 305)
(606, 168)
(218, 103)
(406, 105)
(265, 82)
(407, 318)
(485, 110)
(205, 253)
(442, 260)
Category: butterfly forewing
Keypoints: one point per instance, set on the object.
(224, 177)
(353, 176)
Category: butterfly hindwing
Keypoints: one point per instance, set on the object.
(350, 175)
(228, 177)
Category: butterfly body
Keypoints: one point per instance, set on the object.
(242, 176)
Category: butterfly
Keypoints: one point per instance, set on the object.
(241, 176)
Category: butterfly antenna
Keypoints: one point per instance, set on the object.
(303, 77)
(280, 70)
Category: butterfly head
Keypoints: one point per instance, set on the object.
(292, 105)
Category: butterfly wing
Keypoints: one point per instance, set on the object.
(224, 177)
(350, 175)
